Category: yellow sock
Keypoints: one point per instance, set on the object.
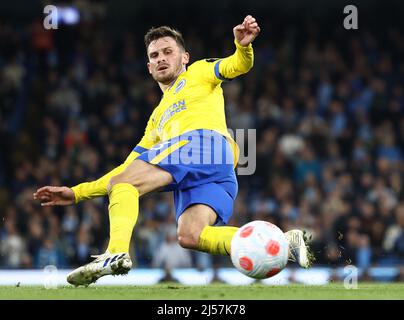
(216, 240)
(123, 212)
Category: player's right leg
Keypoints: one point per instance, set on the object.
(125, 189)
(197, 230)
(202, 212)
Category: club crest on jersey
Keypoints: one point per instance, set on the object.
(179, 86)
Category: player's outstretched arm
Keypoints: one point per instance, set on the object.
(99, 187)
(247, 31)
(243, 58)
(64, 196)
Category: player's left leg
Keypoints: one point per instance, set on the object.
(124, 190)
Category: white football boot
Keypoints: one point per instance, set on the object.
(298, 248)
(104, 264)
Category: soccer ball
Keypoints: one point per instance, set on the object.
(259, 249)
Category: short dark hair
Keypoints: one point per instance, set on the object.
(161, 32)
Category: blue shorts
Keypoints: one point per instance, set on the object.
(201, 163)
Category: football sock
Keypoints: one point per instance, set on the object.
(216, 240)
(123, 212)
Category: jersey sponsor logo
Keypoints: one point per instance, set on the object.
(179, 86)
(170, 111)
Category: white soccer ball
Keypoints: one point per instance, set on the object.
(259, 249)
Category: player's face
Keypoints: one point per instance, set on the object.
(166, 59)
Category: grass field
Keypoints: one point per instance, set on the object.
(214, 291)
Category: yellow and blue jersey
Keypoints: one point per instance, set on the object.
(195, 100)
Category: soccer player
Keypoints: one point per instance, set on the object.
(186, 149)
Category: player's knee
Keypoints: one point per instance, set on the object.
(188, 241)
(113, 181)
(116, 180)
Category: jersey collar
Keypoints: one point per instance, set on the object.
(174, 82)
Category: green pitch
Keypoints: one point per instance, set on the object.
(214, 291)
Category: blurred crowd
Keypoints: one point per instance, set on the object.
(327, 108)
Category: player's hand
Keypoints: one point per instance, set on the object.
(246, 32)
(55, 196)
